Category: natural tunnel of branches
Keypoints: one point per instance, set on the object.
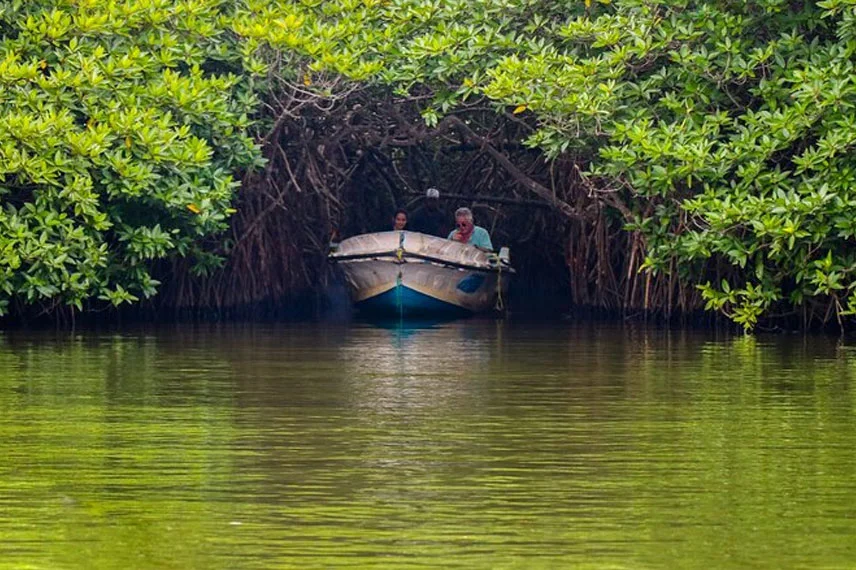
(340, 166)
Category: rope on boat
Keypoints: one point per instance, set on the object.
(399, 254)
(500, 303)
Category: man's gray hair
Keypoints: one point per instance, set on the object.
(464, 213)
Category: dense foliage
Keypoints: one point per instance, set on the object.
(718, 134)
(122, 124)
(722, 132)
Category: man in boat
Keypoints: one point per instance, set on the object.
(467, 232)
(430, 219)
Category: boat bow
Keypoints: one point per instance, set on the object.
(409, 272)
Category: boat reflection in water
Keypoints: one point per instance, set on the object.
(407, 367)
(412, 274)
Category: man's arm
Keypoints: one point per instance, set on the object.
(483, 240)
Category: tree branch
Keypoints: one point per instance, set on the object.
(536, 188)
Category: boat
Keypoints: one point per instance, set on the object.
(408, 273)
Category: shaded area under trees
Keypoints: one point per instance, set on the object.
(341, 165)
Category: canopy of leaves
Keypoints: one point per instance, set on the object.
(722, 131)
(121, 125)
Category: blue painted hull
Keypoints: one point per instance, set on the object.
(404, 301)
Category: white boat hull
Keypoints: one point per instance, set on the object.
(409, 273)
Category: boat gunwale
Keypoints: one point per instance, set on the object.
(384, 255)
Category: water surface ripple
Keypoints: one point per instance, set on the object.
(469, 444)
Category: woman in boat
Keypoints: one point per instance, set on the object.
(399, 220)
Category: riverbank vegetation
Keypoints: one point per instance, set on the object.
(659, 157)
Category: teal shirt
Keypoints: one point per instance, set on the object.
(479, 238)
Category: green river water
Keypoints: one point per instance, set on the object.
(470, 444)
